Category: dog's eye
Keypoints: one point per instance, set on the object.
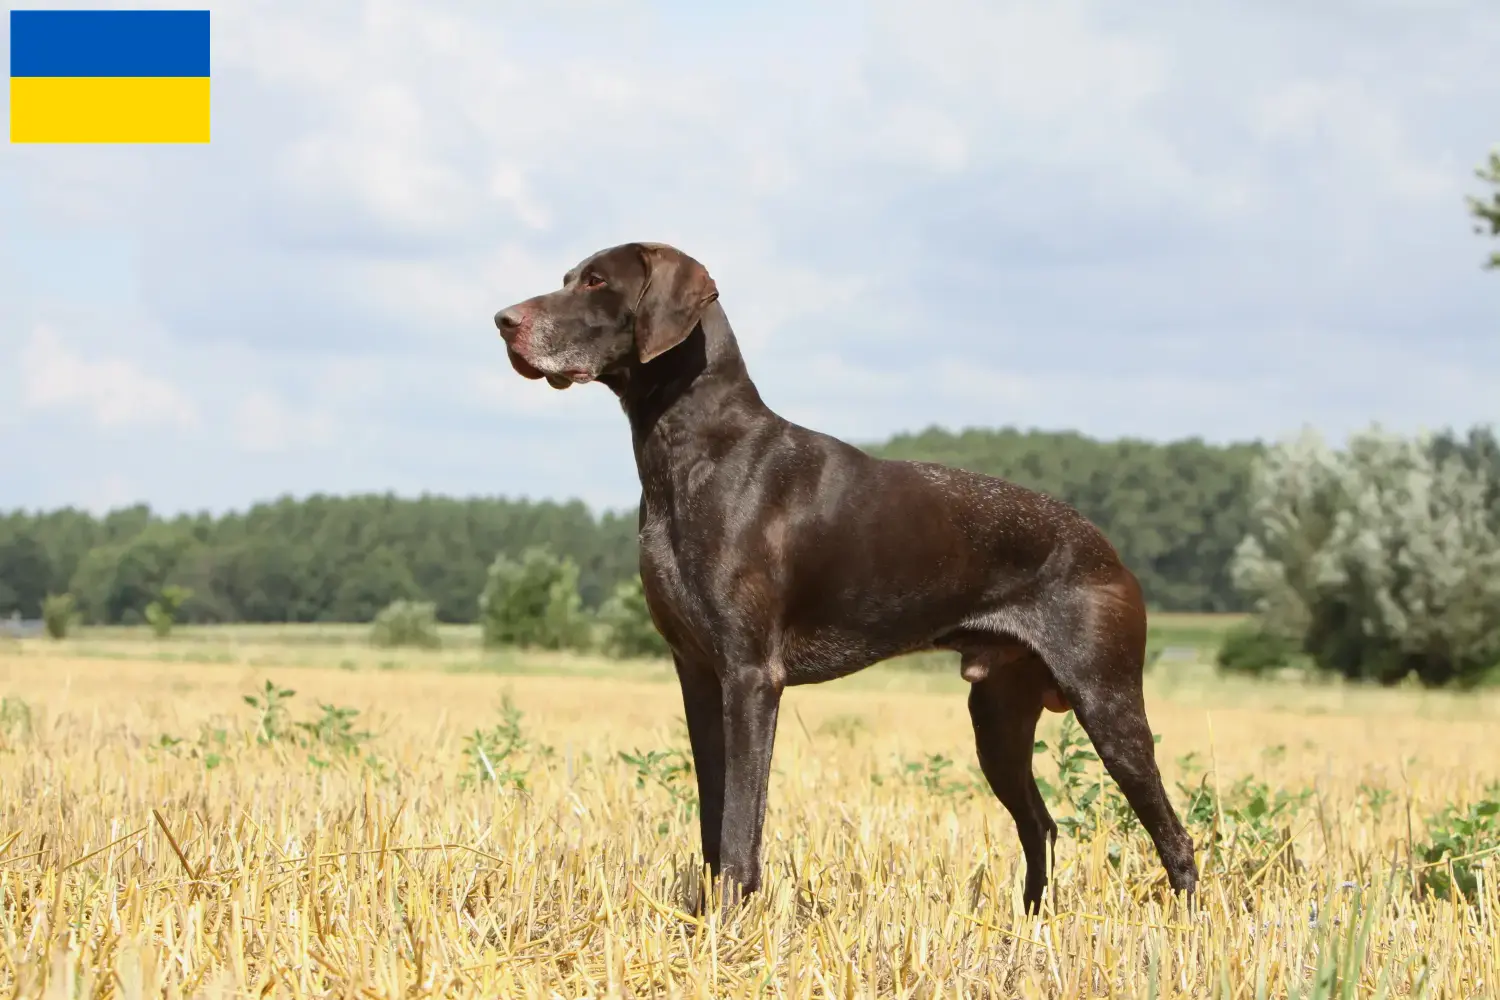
(592, 281)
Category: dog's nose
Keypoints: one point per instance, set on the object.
(509, 321)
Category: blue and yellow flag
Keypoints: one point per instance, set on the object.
(109, 76)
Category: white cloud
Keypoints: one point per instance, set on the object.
(509, 185)
(1362, 135)
(1055, 86)
(265, 423)
(115, 392)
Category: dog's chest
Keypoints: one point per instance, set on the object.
(677, 614)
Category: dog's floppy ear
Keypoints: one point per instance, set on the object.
(676, 292)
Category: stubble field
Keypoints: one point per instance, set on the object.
(175, 823)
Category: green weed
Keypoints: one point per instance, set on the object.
(493, 755)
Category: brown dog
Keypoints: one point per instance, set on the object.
(774, 555)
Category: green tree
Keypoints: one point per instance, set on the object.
(1486, 210)
(372, 583)
(533, 602)
(116, 581)
(1479, 451)
(25, 574)
(92, 583)
(65, 535)
(1295, 503)
(265, 579)
(199, 572)
(1382, 559)
(629, 628)
(161, 613)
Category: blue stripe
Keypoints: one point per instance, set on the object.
(109, 43)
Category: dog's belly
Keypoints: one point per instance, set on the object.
(827, 654)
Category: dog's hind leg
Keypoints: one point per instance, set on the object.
(1004, 704)
(1095, 648)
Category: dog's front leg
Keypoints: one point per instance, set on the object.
(703, 705)
(751, 702)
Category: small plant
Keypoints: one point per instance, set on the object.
(406, 623)
(670, 770)
(273, 720)
(166, 743)
(329, 737)
(161, 613)
(334, 731)
(1456, 845)
(629, 630)
(1376, 797)
(1258, 813)
(213, 746)
(1202, 810)
(1095, 802)
(494, 754)
(1250, 820)
(59, 614)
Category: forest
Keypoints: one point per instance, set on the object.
(1176, 511)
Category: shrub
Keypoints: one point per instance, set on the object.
(406, 623)
(1383, 558)
(162, 612)
(629, 628)
(1252, 648)
(533, 601)
(60, 614)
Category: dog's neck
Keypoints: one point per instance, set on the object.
(688, 406)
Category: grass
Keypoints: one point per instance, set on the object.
(239, 812)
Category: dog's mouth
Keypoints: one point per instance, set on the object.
(521, 365)
(557, 380)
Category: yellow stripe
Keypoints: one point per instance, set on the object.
(109, 109)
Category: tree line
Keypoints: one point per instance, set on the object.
(1379, 560)
(1176, 511)
(319, 559)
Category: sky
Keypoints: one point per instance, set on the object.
(1161, 220)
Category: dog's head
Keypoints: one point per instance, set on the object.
(627, 304)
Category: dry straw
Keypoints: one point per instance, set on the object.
(130, 867)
